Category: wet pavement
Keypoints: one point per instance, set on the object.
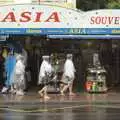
(82, 106)
(68, 113)
(33, 98)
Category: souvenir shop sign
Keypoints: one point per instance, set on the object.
(48, 19)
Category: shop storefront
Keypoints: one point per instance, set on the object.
(56, 31)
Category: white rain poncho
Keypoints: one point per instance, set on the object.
(45, 69)
(19, 73)
(69, 72)
(24, 54)
(69, 69)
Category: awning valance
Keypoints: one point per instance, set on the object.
(84, 36)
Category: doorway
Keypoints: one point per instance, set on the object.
(82, 50)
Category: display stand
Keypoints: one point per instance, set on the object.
(96, 80)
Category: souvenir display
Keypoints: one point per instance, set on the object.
(96, 76)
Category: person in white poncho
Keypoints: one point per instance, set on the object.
(19, 75)
(45, 76)
(68, 75)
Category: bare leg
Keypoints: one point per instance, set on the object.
(61, 86)
(64, 89)
(70, 88)
(41, 91)
(12, 89)
(19, 90)
(45, 93)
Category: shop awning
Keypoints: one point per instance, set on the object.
(83, 36)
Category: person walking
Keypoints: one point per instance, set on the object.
(10, 62)
(45, 76)
(19, 73)
(68, 75)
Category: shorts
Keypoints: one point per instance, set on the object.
(67, 79)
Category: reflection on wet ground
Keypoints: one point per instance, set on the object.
(82, 113)
(82, 106)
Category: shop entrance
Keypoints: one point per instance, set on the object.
(109, 58)
(82, 50)
(37, 46)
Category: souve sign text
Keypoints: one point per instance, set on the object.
(105, 20)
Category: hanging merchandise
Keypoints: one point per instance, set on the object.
(9, 67)
(5, 52)
(12, 51)
(89, 85)
(2, 75)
